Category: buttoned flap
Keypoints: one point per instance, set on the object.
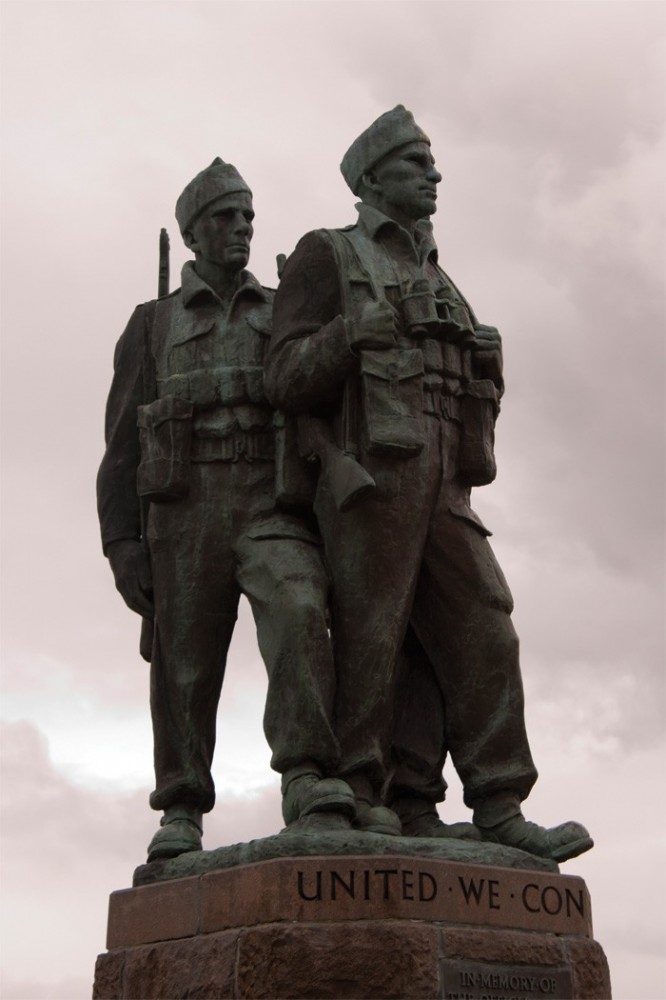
(392, 365)
(175, 385)
(482, 388)
(251, 417)
(190, 324)
(241, 384)
(153, 415)
(203, 386)
(465, 513)
(260, 320)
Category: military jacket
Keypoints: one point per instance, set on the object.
(331, 274)
(188, 347)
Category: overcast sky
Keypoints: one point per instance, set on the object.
(547, 122)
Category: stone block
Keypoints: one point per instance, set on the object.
(109, 976)
(517, 947)
(339, 960)
(393, 887)
(158, 912)
(200, 968)
(591, 973)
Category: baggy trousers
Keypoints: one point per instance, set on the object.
(206, 549)
(413, 552)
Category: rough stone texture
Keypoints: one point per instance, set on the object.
(591, 972)
(252, 931)
(201, 968)
(162, 911)
(348, 842)
(109, 976)
(336, 961)
(485, 945)
(333, 961)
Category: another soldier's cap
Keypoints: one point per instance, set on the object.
(393, 129)
(218, 179)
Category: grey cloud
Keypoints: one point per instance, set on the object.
(546, 120)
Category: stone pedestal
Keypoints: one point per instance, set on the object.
(354, 927)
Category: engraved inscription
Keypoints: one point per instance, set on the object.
(478, 894)
(367, 884)
(481, 981)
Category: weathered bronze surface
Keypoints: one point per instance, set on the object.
(186, 504)
(316, 451)
(373, 338)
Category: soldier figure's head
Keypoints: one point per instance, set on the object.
(215, 215)
(390, 167)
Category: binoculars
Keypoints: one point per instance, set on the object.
(426, 316)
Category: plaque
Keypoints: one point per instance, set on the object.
(484, 981)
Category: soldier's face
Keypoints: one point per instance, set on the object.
(222, 233)
(407, 182)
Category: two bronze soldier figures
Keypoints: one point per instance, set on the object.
(315, 450)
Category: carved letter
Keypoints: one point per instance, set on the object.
(532, 909)
(472, 890)
(578, 903)
(301, 891)
(349, 889)
(558, 900)
(386, 872)
(422, 887)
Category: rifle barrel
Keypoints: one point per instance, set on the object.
(163, 274)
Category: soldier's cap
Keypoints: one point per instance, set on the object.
(218, 179)
(391, 130)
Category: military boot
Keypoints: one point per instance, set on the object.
(501, 821)
(305, 793)
(371, 815)
(180, 831)
(419, 818)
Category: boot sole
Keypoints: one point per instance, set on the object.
(567, 851)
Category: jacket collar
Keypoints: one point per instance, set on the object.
(375, 224)
(195, 290)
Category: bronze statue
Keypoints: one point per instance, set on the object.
(374, 343)
(189, 522)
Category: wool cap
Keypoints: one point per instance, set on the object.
(218, 179)
(392, 129)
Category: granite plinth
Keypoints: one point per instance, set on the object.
(384, 925)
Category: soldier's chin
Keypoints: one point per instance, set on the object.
(238, 255)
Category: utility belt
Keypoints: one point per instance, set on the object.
(169, 444)
(395, 393)
(226, 385)
(252, 446)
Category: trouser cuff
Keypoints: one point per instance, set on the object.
(496, 808)
(307, 767)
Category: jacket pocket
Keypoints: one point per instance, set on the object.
(392, 392)
(476, 454)
(165, 434)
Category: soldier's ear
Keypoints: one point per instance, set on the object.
(370, 180)
(369, 184)
(188, 240)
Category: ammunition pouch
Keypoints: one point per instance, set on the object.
(165, 435)
(226, 385)
(478, 412)
(392, 395)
